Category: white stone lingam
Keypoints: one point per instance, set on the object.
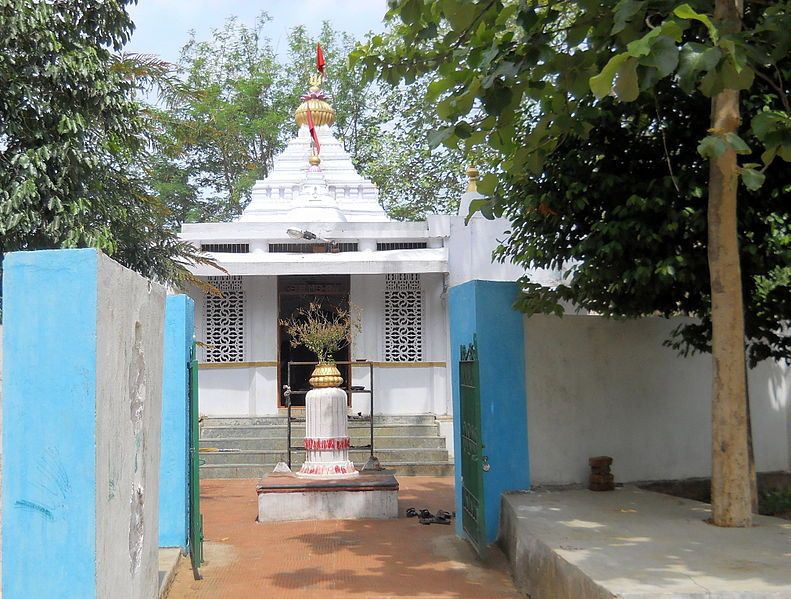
(326, 429)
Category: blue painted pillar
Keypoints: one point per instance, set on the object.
(82, 378)
(483, 310)
(174, 472)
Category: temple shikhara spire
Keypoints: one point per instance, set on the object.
(314, 179)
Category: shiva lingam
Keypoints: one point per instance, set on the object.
(324, 330)
(326, 427)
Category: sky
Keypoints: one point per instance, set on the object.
(162, 26)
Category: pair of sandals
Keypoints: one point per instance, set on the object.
(426, 517)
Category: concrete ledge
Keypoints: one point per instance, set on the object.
(638, 544)
(283, 497)
(169, 558)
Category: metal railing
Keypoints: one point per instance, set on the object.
(288, 392)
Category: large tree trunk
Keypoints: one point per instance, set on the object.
(730, 479)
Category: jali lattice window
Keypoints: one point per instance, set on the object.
(225, 321)
(403, 338)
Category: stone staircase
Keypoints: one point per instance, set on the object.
(250, 447)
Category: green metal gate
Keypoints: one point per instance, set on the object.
(196, 518)
(472, 461)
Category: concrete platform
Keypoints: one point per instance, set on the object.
(638, 544)
(283, 497)
(169, 558)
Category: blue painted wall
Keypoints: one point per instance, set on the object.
(461, 314)
(174, 473)
(49, 435)
(484, 309)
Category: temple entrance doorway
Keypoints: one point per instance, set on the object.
(295, 292)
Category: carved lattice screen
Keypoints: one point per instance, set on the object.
(403, 338)
(225, 321)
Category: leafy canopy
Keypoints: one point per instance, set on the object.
(599, 114)
(73, 138)
(322, 328)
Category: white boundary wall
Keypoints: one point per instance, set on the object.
(602, 387)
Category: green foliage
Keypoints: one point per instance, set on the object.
(775, 502)
(599, 116)
(72, 138)
(215, 141)
(322, 328)
(414, 177)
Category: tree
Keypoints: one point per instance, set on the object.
(541, 82)
(224, 135)
(414, 178)
(72, 137)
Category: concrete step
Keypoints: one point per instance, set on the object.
(356, 455)
(279, 443)
(256, 471)
(298, 430)
(299, 415)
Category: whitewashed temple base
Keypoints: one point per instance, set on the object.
(284, 497)
(338, 505)
(321, 472)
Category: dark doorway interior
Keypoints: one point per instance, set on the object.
(295, 292)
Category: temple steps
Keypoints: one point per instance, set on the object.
(259, 470)
(250, 447)
(298, 417)
(278, 443)
(358, 456)
(356, 429)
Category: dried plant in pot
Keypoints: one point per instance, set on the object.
(324, 330)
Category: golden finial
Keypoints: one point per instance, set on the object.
(314, 160)
(316, 100)
(472, 175)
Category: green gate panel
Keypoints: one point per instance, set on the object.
(472, 466)
(196, 518)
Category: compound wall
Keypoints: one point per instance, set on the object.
(83, 380)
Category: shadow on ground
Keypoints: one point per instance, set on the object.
(370, 559)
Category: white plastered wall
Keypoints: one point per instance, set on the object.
(261, 316)
(246, 390)
(601, 387)
(398, 389)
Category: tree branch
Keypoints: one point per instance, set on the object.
(778, 88)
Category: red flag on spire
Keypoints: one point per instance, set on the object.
(320, 60)
(313, 133)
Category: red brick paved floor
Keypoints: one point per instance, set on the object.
(337, 558)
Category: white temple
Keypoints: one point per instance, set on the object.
(316, 228)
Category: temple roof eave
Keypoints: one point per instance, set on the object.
(275, 231)
(428, 260)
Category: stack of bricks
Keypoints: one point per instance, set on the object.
(601, 479)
